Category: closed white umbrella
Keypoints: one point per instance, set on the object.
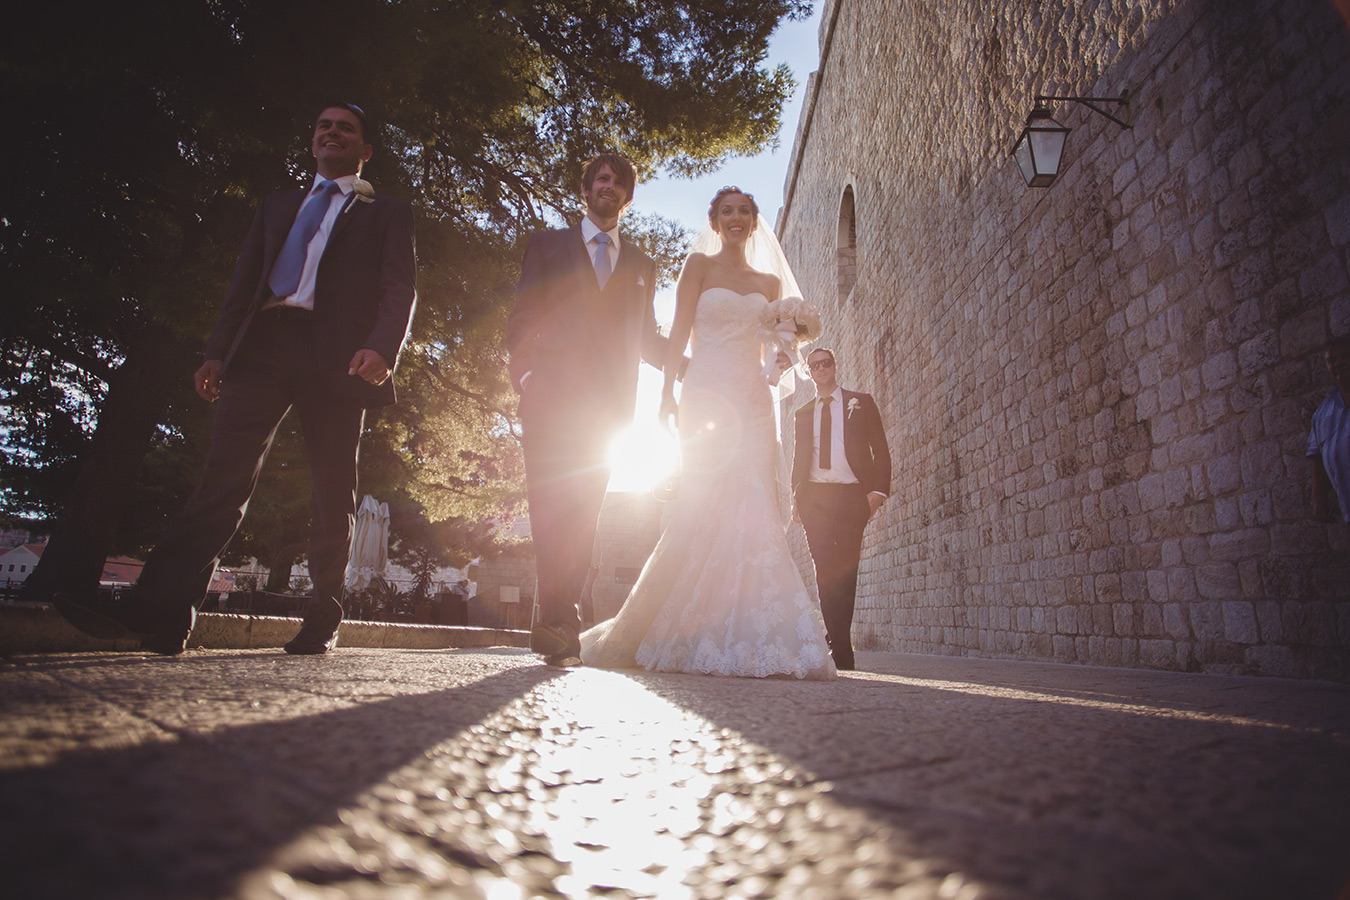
(369, 544)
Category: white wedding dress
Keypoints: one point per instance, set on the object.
(721, 594)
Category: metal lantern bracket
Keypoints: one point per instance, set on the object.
(1091, 103)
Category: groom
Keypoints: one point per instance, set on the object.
(841, 473)
(582, 319)
(313, 322)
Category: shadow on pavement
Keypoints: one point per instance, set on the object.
(233, 773)
(1067, 781)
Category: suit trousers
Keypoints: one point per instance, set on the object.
(272, 373)
(566, 475)
(834, 516)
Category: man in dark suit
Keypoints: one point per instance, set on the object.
(841, 473)
(582, 320)
(314, 320)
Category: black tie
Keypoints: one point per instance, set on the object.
(826, 439)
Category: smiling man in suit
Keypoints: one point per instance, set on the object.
(582, 319)
(314, 320)
(841, 473)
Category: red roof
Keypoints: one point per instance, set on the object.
(125, 570)
(121, 570)
(35, 549)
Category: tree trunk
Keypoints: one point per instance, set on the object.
(138, 395)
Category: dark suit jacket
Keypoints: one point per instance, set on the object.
(581, 345)
(864, 443)
(363, 295)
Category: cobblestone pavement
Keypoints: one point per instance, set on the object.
(480, 773)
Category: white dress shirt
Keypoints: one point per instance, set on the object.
(304, 293)
(839, 471)
(588, 232)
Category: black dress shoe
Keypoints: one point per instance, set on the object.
(559, 645)
(319, 631)
(160, 631)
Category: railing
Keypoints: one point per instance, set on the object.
(444, 608)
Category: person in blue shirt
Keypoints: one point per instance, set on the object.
(1329, 442)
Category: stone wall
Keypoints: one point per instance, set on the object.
(1097, 395)
(513, 569)
(630, 524)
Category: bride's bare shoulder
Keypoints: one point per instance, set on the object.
(697, 261)
(772, 285)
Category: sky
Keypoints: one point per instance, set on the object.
(646, 453)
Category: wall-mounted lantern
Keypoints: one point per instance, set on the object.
(1040, 146)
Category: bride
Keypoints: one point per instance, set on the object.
(721, 594)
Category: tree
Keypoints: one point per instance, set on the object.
(140, 151)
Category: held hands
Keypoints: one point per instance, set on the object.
(369, 365)
(670, 413)
(207, 380)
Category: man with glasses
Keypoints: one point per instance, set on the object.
(841, 473)
(314, 321)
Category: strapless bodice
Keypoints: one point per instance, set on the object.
(727, 336)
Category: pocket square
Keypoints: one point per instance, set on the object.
(641, 282)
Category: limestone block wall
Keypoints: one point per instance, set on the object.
(1097, 395)
(514, 568)
(630, 524)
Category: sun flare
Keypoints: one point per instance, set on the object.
(642, 455)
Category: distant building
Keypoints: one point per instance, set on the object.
(630, 524)
(17, 563)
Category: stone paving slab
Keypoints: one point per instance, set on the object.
(482, 774)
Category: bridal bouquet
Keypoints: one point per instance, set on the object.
(787, 324)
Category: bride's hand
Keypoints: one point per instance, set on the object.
(670, 414)
(784, 363)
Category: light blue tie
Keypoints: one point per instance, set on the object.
(601, 259)
(285, 277)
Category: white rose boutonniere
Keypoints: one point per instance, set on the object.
(853, 406)
(364, 190)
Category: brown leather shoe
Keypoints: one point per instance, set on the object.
(162, 632)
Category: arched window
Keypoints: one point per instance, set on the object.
(847, 244)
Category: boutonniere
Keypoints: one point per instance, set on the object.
(364, 190)
(853, 406)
